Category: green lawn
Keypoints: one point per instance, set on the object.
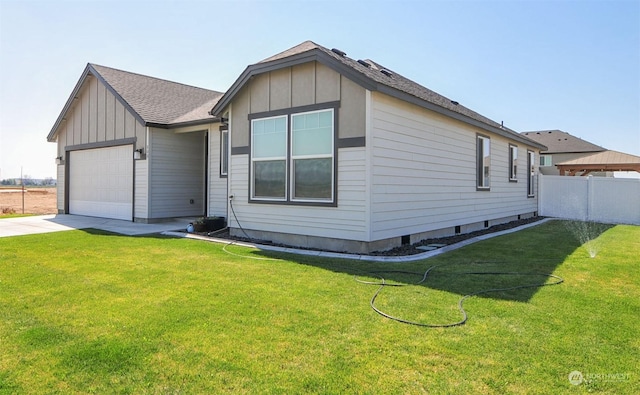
(15, 215)
(89, 312)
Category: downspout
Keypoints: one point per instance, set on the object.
(207, 175)
(229, 161)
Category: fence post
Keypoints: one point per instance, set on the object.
(22, 186)
(540, 198)
(589, 197)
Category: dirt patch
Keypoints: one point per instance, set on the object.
(36, 201)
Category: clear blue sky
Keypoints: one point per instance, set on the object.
(569, 65)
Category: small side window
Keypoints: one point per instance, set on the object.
(531, 159)
(483, 162)
(224, 152)
(513, 163)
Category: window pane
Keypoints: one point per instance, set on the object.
(269, 138)
(281, 124)
(484, 162)
(313, 134)
(269, 179)
(532, 172)
(224, 150)
(514, 163)
(325, 119)
(545, 160)
(312, 142)
(313, 178)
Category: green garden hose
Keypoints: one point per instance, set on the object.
(382, 284)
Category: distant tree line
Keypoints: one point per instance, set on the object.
(28, 181)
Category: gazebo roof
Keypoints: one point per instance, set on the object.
(601, 161)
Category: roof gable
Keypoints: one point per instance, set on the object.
(371, 76)
(152, 101)
(558, 141)
(158, 101)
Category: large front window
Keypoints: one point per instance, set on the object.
(292, 157)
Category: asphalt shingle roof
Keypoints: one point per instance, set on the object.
(374, 76)
(153, 101)
(395, 80)
(160, 101)
(558, 141)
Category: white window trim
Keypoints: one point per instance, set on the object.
(513, 162)
(289, 166)
(546, 157)
(224, 153)
(268, 159)
(531, 172)
(480, 154)
(291, 169)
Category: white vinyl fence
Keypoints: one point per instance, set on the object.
(598, 199)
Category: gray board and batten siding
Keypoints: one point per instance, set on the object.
(95, 119)
(166, 121)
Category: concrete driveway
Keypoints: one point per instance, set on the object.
(61, 222)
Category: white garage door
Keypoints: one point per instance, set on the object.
(101, 182)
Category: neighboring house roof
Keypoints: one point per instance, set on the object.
(153, 101)
(374, 77)
(601, 161)
(558, 141)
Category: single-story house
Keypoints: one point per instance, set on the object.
(308, 147)
(139, 148)
(327, 151)
(561, 147)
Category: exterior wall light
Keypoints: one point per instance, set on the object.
(59, 160)
(137, 154)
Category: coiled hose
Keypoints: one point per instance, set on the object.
(382, 284)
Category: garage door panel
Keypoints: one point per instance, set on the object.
(101, 182)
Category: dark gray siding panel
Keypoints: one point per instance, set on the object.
(176, 174)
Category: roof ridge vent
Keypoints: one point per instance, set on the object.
(455, 103)
(386, 72)
(364, 63)
(339, 52)
(373, 64)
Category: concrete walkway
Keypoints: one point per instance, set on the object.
(56, 223)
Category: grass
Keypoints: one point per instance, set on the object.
(91, 312)
(14, 215)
